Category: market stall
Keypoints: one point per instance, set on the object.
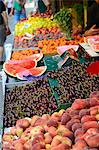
(50, 88)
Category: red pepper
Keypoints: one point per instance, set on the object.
(93, 69)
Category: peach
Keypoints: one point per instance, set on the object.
(39, 122)
(71, 122)
(94, 98)
(7, 146)
(22, 123)
(76, 117)
(66, 141)
(61, 112)
(97, 117)
(73, 113)
(29, 119)
(93, 141)
(90, 124)
(84, 112)
(53, 123)
(94, 101)
(80, 145)
(46, 128)
(38, 138)
(88, 118)
(19, 146)
(65, 118)
(78, 138)
(90, 132)
(13, 130)
(63, 131)
(94, 110)
(52, 131)
(19, 131)
(25, 136)
(79, 132)
(68, 110)
(60, 147)
(28, 145)
(56, 116)
(48, 138)
(46, 117)
(55, 142)
(28, 129)
(22, 141)
(36, 146)
(34, 119)
(36, 130)
(79, 104)
(95, 94)
(48, 146)
(93, 131)
(8, 137)
(76, 126)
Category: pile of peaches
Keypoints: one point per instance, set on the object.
(76, 128)
(50, 46)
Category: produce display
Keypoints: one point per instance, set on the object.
(28, 66)
(76, 128)
(48, 14)
(35, 72)
(40, 34)
(50, 46)
(74, 82)
(64, 19)
(33, 110)
(23, 54)
(31, 99)
(93, 68)
(33, 23)
(13, 68)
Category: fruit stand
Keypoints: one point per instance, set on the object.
(50, 93)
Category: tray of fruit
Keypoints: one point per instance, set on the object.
(24, 63)
(20, 54)
(50, 47)
(31, 40)
(72, 81)
(33, 23)
(74, 128)
(21, 98)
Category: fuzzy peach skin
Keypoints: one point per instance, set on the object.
(94, 110)
(79, 132)
(22, 123)
(34, 119)
(88, 118)
(48, 138)
(90, 124)
(93, 141)
(84, 112)
(63, 131)
(53, 123)
(52, 131)
(79, 104)
(79, 145)
(71, 122)
(65, 118)
(76, 126)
